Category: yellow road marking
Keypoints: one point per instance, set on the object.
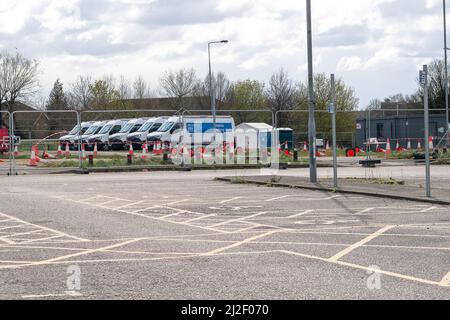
(358, 244)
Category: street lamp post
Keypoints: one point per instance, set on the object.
(211, 88)
(446, 66)
(311, 101)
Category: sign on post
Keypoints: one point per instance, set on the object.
(331, 108)
(423, 77)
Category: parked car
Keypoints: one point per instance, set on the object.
(102, 138)
(140, 136)
(74, 134)
(198, 130)
(119, 140)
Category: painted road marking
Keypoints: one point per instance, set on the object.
(365, 210)
(230, 200)
(200, 218)
(392, 274)
(29, 224)
(65, 294)
(299, 214)
(445, 282)
(130, 204)
(277, 198)
(239, 243)
(358, 244)
(176, 202)
(428, 209)
(237, 220)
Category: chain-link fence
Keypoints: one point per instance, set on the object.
(50, 141)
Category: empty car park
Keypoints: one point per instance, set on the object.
(186, 236)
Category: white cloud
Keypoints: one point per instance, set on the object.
(358, 39)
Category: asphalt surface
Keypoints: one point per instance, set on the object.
(182, 235)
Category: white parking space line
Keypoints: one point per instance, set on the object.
(140, 210)
(238, 219)
(130, 204)
(55, 295)
(277, 198)
(428, 209)
(89, 199)
(365, 210)
(239, 243)
(355, 266)
(445, 282)
(177, 202)
(26, 224)
(299, 214)
(358, 244)
(108, 202)
(201, 218)
(230, 200)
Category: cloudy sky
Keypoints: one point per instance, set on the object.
(376, 46)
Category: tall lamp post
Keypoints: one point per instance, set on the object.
(311, 100)
(212, 92)
(444, 7)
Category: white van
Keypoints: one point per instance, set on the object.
(118, 141)
(74, 134)
(102, 138)
(197, 130)
(139, 137)
(93, 129)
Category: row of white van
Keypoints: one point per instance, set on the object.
(119, 134)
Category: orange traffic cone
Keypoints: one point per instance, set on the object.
(388, 147)
(32, 162)
(67, 151)
(59, 153)
(131, 151)
(35, 148)
(305, 147)
(430, 141)
(95, 150)
(83, 152)
(144, 151)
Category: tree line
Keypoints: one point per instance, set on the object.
(280, 93)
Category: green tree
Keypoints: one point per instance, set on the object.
(346, 105)
(248, 95)
(57, 99)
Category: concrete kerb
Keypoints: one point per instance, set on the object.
(340, 190)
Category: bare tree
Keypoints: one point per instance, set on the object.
(80, 94)
(124, 88)
(281, 92)
(374, 104)
(18, 78)
(140, 88)
(179, 84)
(221, 86)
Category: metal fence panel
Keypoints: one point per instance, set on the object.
(6, 148)
(39, 149)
